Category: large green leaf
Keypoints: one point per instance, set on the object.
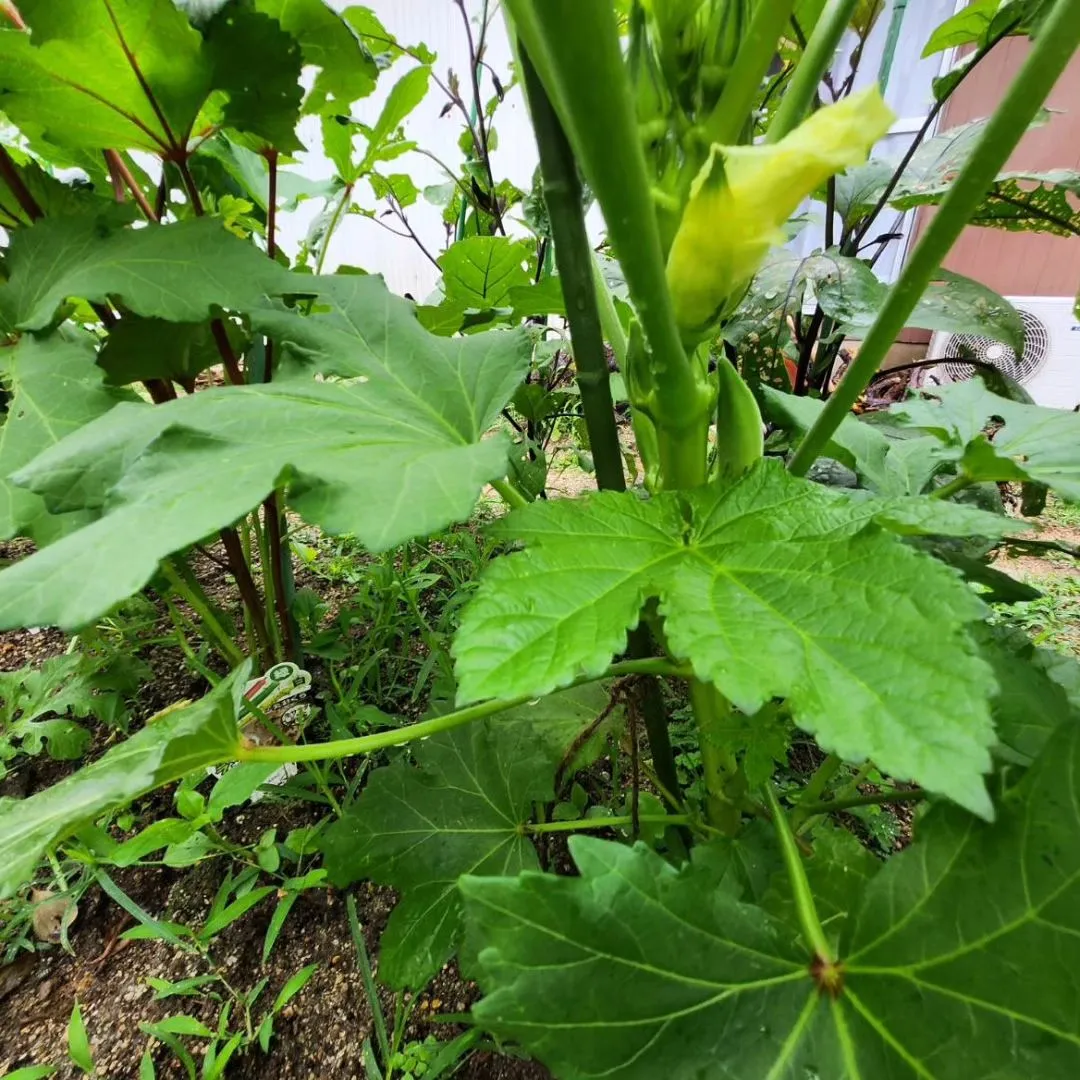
(958, 963)
(1038, 691)
(177, 272)
(347, 70)
(1036, 444)
(127, 74)
(849, 292)
(889, 466)
(1018, 201)
(480, 271)
(771, 587)
(460, 810)
(169, 747)
(257, 64)
(393, 449)
(57, 389)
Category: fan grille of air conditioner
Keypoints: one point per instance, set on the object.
(959, 347)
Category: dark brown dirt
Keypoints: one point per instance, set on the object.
(317, 1037)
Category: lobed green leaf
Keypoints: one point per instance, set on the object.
(771, 587)
(957, 963)
(460, 810)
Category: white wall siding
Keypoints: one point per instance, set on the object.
(361, 242)
(437, 23)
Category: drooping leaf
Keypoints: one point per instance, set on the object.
(889, 466)
(1038, 690)
(347, 70)
(773, 587)
(957, 963)
(567, 721)
(1017, 201)
(140, 348)
(391, 448)
(418, 828)
(104, 73)
(848, 291)
(54, 197)
(257, 64)
(170, 746)
(249, 172)
(1036, 444)
(177, 272)
(56, 390)
(925, 179)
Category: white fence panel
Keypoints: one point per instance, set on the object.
(362, 242)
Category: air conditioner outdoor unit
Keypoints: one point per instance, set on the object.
(1048, 369)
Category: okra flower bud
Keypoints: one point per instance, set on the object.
(744, 194)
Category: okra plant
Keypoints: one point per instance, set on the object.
(731, 926)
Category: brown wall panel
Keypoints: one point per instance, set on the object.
(1021, 264)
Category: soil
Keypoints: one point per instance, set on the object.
(318, 1036)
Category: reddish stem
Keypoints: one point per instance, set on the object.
(14, 181)
(12, 12)
(229, 358)
(248, 591)
(118, 169)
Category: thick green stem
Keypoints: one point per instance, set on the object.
(878, 798)
(816, 59)
(606, 823)
(573, 256)
(381, 740)
(577, 54)
(756, 52)
(720, 767)
(957, 483)
(510, 494)
(1053, 48)
(815, 786)
(812, 929)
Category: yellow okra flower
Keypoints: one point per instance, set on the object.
(744, 194)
